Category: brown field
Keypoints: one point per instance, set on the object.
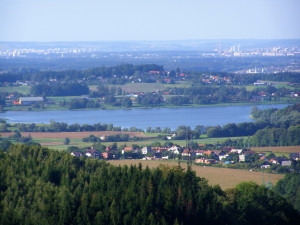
(226, 178)
(52, 143)
(74, 135)
(278, 149)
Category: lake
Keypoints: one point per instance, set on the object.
(143, 118)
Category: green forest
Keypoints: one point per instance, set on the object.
(42, 186)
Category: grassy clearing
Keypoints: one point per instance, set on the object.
(61, 146)
(180, 84)
(147, 87)
(25, 90)
(42, 140)
(226, 178)
(151, 134)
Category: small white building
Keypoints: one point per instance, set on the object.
(222, 157)
(242, 158)
(145, 150)
(174, 149)
(239, 151)
(30, 100)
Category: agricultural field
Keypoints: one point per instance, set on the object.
(25, 90)
(55, 139)
(74, 135)
(226, 178)
(147, 87)
(278, 149)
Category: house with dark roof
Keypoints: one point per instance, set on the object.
(93, 153)
(218, 152)
(295, 156)
(227, 148)
(157, 155)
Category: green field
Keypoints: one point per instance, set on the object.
(148, 87)
(25, 90)
(57, 143)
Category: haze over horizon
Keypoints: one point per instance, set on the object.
(117, 20)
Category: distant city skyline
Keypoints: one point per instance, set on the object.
(118, 20)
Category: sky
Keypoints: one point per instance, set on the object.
(125, 20)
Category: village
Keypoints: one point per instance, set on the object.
(226, 156)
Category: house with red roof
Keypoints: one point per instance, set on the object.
(108, 155)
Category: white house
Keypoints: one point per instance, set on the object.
(145, 150)
(222, 157)
(239, 151)
(170, 137)
(242, 158)
(174, 149)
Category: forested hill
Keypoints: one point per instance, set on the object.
(282, 126)
(39, 186)
(288, 116)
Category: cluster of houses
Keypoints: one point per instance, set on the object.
(226, 155)
(215, 79)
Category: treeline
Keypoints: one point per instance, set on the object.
(81, 103)
(123, 69)
(67, 75)
(271, 119)
(283, 126)
(61, 89)
(277, 137)
(289, 188)
(245, 79)
(63, 127)
(149, 100)
(39, 186)
(221, 94)
(288, 116)
(281, 77)
(235, 130)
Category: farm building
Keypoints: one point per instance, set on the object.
(30, 100)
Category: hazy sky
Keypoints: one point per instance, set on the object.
(98, 20)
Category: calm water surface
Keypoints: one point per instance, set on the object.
(143, 118)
